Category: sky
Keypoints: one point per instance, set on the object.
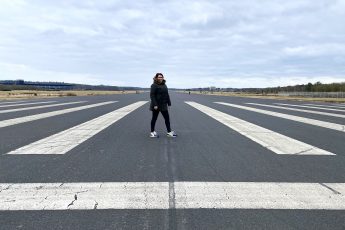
(236, 44)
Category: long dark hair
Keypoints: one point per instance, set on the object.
(158, 74)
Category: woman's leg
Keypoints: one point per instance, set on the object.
(154, 119)
(167, 120)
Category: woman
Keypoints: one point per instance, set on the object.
(160, 100)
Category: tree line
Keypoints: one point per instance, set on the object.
(316, 87)
(310, 87)
(8, 85)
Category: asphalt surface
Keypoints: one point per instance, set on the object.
(205, 150)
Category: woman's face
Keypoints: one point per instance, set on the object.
(160, 78)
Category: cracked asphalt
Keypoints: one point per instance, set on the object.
(205, 150)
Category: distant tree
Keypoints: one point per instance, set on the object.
(309, 87)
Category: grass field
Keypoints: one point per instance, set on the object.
(271, 96)
(22, 94)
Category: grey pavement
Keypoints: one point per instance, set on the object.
(204, 151)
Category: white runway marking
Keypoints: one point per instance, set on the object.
(58, 196)
(299, 110)
(309, 121)
(32, 103)
(66, 140)
(328, 106)
(40, 107)
(269, 139)
(259, 195)
(20, 120)
(187, 195)
(311, 107)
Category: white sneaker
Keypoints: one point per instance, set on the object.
(172, 134)
(154, 134)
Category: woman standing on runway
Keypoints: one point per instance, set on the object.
(160, 100)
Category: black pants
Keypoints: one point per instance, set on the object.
(155, 114)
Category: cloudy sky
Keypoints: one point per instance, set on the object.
(228, 43)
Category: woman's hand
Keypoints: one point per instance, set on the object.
(155, 107)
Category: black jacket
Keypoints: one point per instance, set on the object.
(159, 96)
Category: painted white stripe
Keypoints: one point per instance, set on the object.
(328, 106)
(40, 107)
(269, 139)
(32, 103)
(187, 195)
(58, 196)
(259, 195)
(299, 110)
(310, 107)
(66, 140)
(20, 120)
(309, 121)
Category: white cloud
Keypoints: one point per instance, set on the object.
(196, 43)
(19, 71)
(316, 50)
(253, 82)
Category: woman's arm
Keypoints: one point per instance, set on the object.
(153, 95)
(169, 102)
